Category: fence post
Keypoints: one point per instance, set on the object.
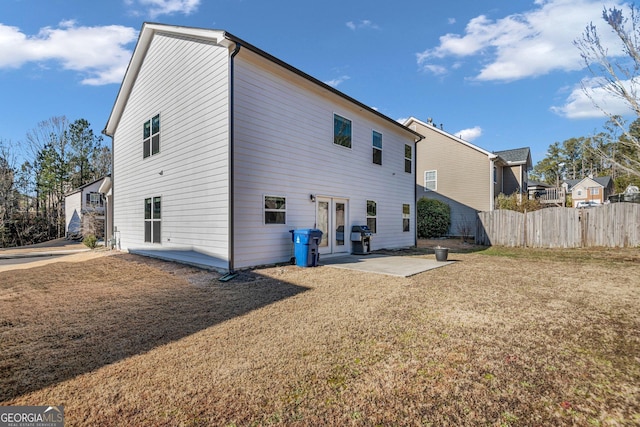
(524, 229)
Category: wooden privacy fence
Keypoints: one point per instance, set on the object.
(611, 225)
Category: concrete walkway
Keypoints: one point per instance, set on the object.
(393, 265)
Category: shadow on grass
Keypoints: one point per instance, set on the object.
(66, 319)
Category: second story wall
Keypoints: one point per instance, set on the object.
(462, 173)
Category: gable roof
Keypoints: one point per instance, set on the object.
(516, 155)
(82, 187)
(220, 37)
(450, 136)
(604, 181)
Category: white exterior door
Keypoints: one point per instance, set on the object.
(331, 218)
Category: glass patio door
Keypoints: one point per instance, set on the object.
(331, 218)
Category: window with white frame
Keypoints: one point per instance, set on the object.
(275, 210)
(408, 158)
(152, 217)
(579, 192)
(341, 131)
(371, 215)
(594, 191)
(94, 199)
(430, 180)
(406, 217)
(151, 137)
(377, 147)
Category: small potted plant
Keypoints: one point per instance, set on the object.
(441, 253)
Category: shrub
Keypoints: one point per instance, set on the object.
(517, 202)
(90, 241)
(434, 218)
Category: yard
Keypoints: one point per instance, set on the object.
(501, 337)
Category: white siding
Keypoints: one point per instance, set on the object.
(73, 213)
(284, 146)
(186, 82)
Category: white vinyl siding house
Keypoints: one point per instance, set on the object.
(84, 200)
(247, 152)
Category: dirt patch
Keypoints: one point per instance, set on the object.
(454, 245)
(494, 339)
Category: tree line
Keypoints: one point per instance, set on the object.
(608, 153)
(56, 158)
(615, 151)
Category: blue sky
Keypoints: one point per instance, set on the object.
(501, 74)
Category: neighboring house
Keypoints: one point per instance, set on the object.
(84, 210)
(221, 149)
(596, 189)
(515, 172)
(463, 175)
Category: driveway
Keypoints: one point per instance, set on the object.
(44, 253)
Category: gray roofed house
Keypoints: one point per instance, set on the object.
(515, 174)
(596, 189)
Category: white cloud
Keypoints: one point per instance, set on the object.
(527, 44)
(363, 24)
(337, 81)
(97, 53)
(580, 106)
(167, 7)
(451, 21)
(469, 134)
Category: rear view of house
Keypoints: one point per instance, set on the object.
(221, 148)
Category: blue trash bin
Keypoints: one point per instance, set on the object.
(306, 242)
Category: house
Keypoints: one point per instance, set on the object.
(463, 175)
(221, 149)
(515, 172)
(597, 189)
(84, 211)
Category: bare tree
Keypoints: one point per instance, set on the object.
(618, 77)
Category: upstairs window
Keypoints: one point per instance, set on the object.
(94, 199)
(430, 180)
(151, 137)
(408, 158)
(371, 215)
(341, 131)
(377, 147)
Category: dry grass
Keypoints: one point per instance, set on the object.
(502, 337)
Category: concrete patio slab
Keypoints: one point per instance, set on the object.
(193, 258)
(394, 265)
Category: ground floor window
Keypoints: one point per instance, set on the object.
(371, 215)
(152, 209)
(275, 210)
(406, 217)
(430, 180)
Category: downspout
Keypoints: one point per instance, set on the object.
(415, 196)
(231, 162)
